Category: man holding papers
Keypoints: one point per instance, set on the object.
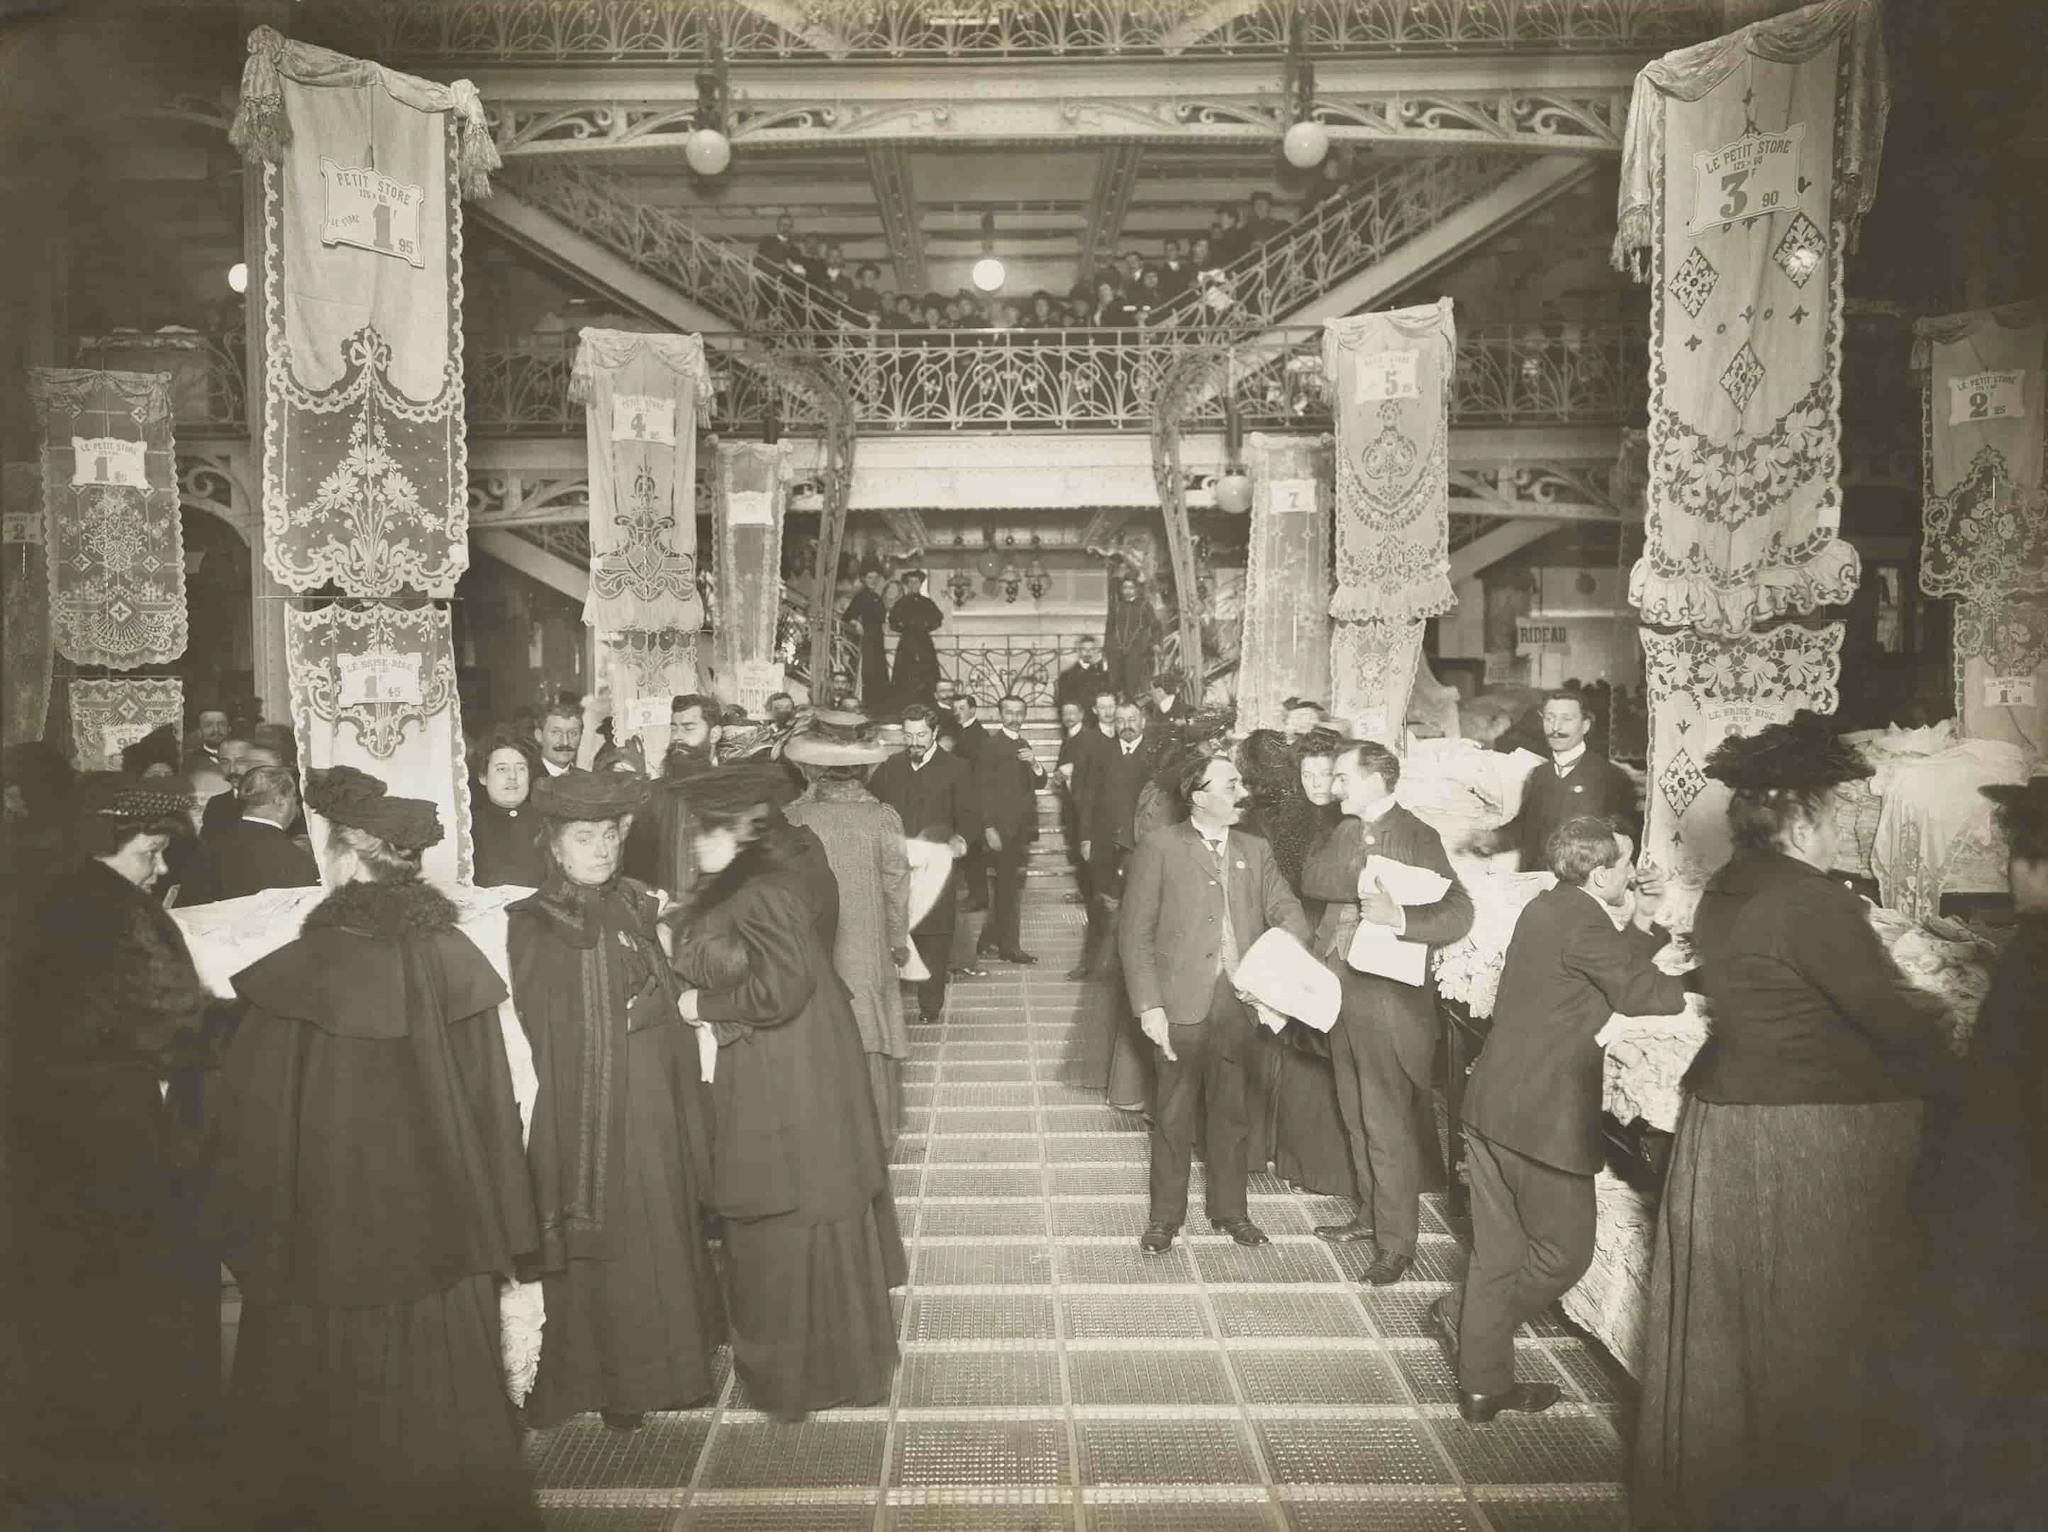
(1195, 899)
(1532, 1110)
(1382, 908)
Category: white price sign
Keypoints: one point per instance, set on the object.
(1541, 635)
(368, 679)
(758, 681)
(372, 211)
(1292, 497)
(1388, 375)
(643, 418)
(22, 527)
(109, 460)
(2008, 691)
(643, 713)
(1740, 717)
(1755, 175)
(1987, 396)
(750, 508)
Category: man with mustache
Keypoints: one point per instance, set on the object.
(1577, 782)
(1197, 897)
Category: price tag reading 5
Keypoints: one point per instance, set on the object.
(1986, 396)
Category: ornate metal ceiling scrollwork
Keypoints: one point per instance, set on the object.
(1202, 373)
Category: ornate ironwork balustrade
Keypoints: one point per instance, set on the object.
(452, 32)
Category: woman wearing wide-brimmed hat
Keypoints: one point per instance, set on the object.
(798, 1169)
(370, 1189)
(863, 839)
(620, 1147)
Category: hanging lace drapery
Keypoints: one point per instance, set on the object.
(373, 686)
(752, 489)
(1701, 690)
(1747, 165)
(1285, 648)
(641, 395)
(1390, 388)
(1985, 509)
(644, 671)
(113, 543)
(365, 476)
(24, 606)
(109, 716)
(1373, 667)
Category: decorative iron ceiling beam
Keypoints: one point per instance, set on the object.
(1196, 25)
(896, 199)
(1116, 178)
(793, 19)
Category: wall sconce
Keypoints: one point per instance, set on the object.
(960, 585)
(1013, 582)
(1038, 577)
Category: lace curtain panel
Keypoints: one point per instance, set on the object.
(1703, 689)
(365, 476)
(1372, 673)
(751, 486)
(373, 687)
(1747, 164)
(1390, 380)
(1985, 510)
(114, 546)
(1285, 646)
(109, 716)
(24, 606)
(641, 395)
(645, 671)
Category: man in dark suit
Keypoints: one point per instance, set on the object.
(1109, 810)
(1576, 782)
(1006, 782)
(1385, 1038)
(968, 736)
(1085, 745)
(1197, 897)
(254, 852)
(1532, 1109)
(932, 794)
(1080, 681)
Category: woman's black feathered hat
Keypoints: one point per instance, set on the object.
(350, 797)
(579, 794)
(1803, 754)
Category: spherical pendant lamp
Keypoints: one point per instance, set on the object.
(988, 274)
(1234, 492)
(1305, 144)
(708, 151)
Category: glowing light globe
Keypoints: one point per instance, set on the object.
(708, 151)
(988, 274)
(238, 277)
(1234, 493)
(1305, 144)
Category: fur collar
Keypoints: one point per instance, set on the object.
(407, 907)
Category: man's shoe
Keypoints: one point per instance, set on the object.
(1388, 1267)
(1345, 1233)
(928, 1018)
(1078, 971)
(1019, 957)
(624, 1420)
(1243, 1230)
(968, 971)
(1157, 1238)
(985, 950)
(1531, 1397)
(1445, 1329)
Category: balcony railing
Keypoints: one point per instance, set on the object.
(929, 382)
(456, 32)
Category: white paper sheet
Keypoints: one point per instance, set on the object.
(1377, 949)
(1280, 976)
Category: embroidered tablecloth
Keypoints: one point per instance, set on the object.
(641, 395)
(1747, 163)
(374, 687)
(114, 546)
(1284, 644)
(109, 716)
(365, 476)
(645, 672)
(1702, 690)
(1390, 386)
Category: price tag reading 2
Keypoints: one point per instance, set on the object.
(1755, 176)
(1986, 396)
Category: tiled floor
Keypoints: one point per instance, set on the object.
(1053, 1377)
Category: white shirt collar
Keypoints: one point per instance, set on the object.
(260, 819)
(926, 759)
(1214, 842)
(1570, 758)
(1077, 728)
(1130, 746)
(552, 769)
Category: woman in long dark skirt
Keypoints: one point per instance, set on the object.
(798, 1171)
(1786, 1229)
(370, 1190)
(118, 1303)
(620, 1144)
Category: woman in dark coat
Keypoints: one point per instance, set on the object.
(370, 1189)
(1130, 647)
(119, 1303)
(505, 833)
(915, 617)
(799, 1174)
(1785, 1228)
(620, 1145)
(866, 612)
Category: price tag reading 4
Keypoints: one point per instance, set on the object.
(2008, 691)
(1987, 396)
(1756, 175)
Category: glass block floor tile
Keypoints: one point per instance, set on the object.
(606, 1518)
(1430, 1375)
(811, 1454)
(1438, 1260)
(1162, 1378)
(792, 1516)
(1097, 1148)
(964, 1517)
(978, 1379)
(584, 1453)
(1100, 1180)
(1003, 1149)
(1164, 1452)
(979, 1181)
(1550, 1448)
(945, 1121)
(1178, 1516)
(1143, 1315)
(1277, 1315)
(1554, 1509)
(1024, 1265)
(1282, 1261)
(995, 1453)
(1294, 1376)
(955, 1317)
(1598, 1379)
(1401, 1312)
(1382, 1514)
(1098, 1217)
(961, 1219)
(1355, 1451)
(1086, 1265)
